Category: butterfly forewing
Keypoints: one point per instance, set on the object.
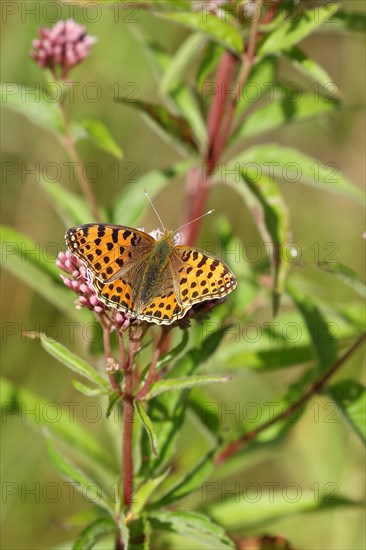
(108, 251)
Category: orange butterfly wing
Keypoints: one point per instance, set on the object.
(108, 251)
(202, 276)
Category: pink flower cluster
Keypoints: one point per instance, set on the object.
(80, 282)
(64, 45)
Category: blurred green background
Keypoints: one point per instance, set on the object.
(315, 452)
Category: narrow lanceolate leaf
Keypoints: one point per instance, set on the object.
(350, 397)
(347, 21)
(192, 525)
(251, 512)
(273, 221)
(82, 482)
(33, 105)
(148, 425)
(312, 69)
(71, 208)
(95, 532)
(178, 384)
(347, 276)
(283, 111)
(208, 63)
(72, 361)
(259, 83)
(114, 398)
(18, 400)
(15, 244)
(179, 95)
(324, 343)
(87, 390)
(290, 165)
(170, 355)
(172, 128)
(223, 32)
(291, 32)
(31, 263)
(145, 491)
(190, 482)
(130, 204)
(181, 60)
(139, 534)
(98, 133)
(174, 404)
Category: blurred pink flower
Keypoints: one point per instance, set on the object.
(64, 45)
(79, 280)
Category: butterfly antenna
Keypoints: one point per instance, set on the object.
(192, 221)
(156, 212)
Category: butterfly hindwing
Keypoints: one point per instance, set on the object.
(108, 251)
(201, 275)
(118, 294)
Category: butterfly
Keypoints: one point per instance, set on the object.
(152, 280)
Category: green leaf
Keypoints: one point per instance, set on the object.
(180, 95)
(291, 32)
(181, 60)
(28, 251)
(273, 221)
(88, 487)
(139, 532)
(347, 21)
(208, 63)
(71, 208)
(324, 343)
(261, 76)
(170, 355)
(347, 276)
(32, 264)
(178, 384)
(148, 425)
(223, 32)
(192, 525)
(32, 104)
(18, 401)
(189, 483)
(311, 68)
(350, 397)
(94, 532)
(131, 203)
(114, 398)
(72, 361)
(167, 411)
(288, 164)
(86, 390)
(98, 133)
(252, 512)
(174, 129)
(144, 492)
(282, 111)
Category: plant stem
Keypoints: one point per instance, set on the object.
(128, 419)
(108, 355)
(219, 123)
(151, 374)
(74, 156)
(316, 387)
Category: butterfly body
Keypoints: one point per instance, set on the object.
(152, 280)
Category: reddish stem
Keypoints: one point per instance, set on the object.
(316, 387)
(151, 374)
(128, 418)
